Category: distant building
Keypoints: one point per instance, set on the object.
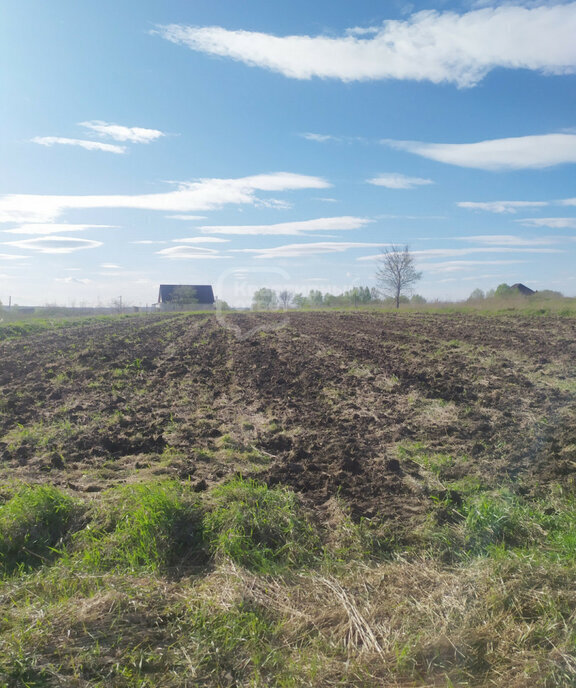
(186, 297)
(522, 289)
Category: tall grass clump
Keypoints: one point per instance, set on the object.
(149, 526)
(261, 528)
(33, 524)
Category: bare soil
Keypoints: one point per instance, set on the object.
(384, 411)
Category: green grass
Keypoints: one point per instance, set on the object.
(237, 587)
(149, 527)
(33, 525)
(262, 528)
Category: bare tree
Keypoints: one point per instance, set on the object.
(396, 272)
(285, 297)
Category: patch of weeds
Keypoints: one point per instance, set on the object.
(33, 524)
(274, 426)
(259, 527)
(232, 646)
(149, 526)
(346, 540)
(360, 371)
(485, 524)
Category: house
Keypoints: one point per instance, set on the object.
(186, 297)
(522, 289)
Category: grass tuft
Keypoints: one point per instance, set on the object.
(33, 524)
(150, 526)
(258, 527)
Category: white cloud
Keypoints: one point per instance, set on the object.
(55, 244)
(303, 227)
(554, 222)
(465, 265)
(190, 218)
(300, 250)
(398, 181)
(110, 266)
(51, 228)
(121, 133)
(522, 152)
(501, 206)
(10, 256)
(88, 145)
(204, 194)
(189, 252)
(320, 138)
(568, 201)
(431, 253)
(148, 241)
(72, 280)
(201, 240)
(506, 240)
(430, 45)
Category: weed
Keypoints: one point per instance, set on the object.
(259, 527)
(149, 526)
(33, 524)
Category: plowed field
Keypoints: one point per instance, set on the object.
(380, 410)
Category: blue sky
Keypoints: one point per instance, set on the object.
(256, 143)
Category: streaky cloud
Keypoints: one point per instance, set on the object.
(122, 133)
(302, 250)
(321, 224)
(399, 181)
(441, 47)
(55, 244)
(81, 143)
(501, 206)
(203, 194)
(552, 222)
(517, 153)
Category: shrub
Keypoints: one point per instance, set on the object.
(33, 522)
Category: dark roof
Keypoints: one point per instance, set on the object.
(523, 289)
(204, 293)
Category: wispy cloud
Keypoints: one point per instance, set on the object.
(204, 194)
(320, 138)
(10, 256)
(522, 152)
(553, 222)
(81, 143)
(398, 181)
(188, 218)
(434, 253)
(122, 133)
(465, 265)
(52, 228)
(301, 250)
(501, 206)
(55, 244)
(304, 227)
(507, 240)
(568, 201)
(73, 280)
(190, 252)
(434, 46)
(201, 240)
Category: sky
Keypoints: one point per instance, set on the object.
(286, 145)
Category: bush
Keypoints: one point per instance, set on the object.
(259, 527)
(32, 525)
